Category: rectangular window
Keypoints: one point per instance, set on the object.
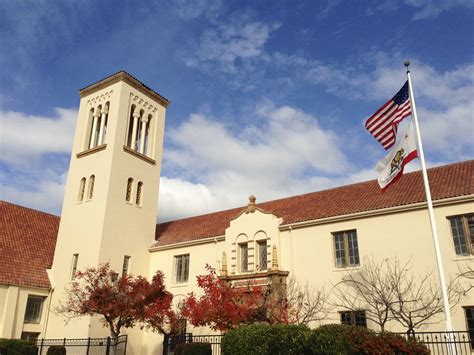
(29, 335)
(346, 248)
(181, 268)
(126, 264)
(34, 306)
(470, 323)
(262, 255)
(75, 257)
(244, 257)
(462, 229)
(354, 318)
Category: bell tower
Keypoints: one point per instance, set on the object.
(111, 198)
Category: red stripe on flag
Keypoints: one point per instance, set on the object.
(408, 159)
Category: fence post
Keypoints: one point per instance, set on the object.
(64, 342)
(41, 346)
(107, 350)
(88, 345)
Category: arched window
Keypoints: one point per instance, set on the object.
(103, 123)
(147, 147)
(128, 194)
(91, 187)
(138, 200)
(82, 189)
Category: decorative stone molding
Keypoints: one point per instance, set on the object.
(130, 80)
(91, 151)
(138, 101)
(100, 98)
(251, 208)
(224, 265)
(139, 155)
(274, 258)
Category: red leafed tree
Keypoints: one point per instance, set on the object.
(122, 302)
(223, 307)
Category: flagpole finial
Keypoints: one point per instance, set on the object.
(407, 64)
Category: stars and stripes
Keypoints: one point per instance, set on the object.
(383, 124)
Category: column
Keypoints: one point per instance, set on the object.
(105, 111)
(94, 129)
(136, 116)
(143, 133)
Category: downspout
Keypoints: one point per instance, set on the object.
(45, 326)
(292, 252)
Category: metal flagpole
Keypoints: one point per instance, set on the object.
(439, 262)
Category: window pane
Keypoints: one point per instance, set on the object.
(359, 319)
(353, 248)
(339, 247)
(470, 227)
(126, 262)
(244, 257)
(470, 323)
(182, 268)
(346, 318)
(33, 309)
(262, 255)
(458, 236)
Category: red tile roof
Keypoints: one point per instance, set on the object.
(446, 181)
(27, 242)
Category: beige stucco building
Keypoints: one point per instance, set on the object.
(109, 215)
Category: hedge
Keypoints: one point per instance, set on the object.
(193, 349)
(56, 350)
(17, 347)
(329, 339)
(265, 339)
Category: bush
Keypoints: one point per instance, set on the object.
(265, 339)
(56, 350)
(325, 340)
(17, 347)
(193, 349)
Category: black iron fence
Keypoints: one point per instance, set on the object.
(439, 343)
(87, 346)
(171, 342)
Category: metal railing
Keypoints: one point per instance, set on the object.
(86, 346)
(441, 343)
(171, 342)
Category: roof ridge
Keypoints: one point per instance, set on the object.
(315, 192)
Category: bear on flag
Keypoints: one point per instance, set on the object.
(390, 168)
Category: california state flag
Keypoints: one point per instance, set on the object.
(390, 168)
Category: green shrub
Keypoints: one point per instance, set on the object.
(265, 339)
(326, 340)
(193, 349)
(18, 347)
(56, 350)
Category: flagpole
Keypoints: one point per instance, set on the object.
(434, 232)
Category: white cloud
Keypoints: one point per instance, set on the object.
(282, 156)
(231, 46)
(24, 138)
(46, 195)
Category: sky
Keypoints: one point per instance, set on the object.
(268, 97)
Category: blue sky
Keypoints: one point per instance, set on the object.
(268, 97)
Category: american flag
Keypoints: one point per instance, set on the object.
(383, 124)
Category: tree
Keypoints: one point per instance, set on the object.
(388, 290)
(223, 307)
(417, 300)
(122, 302)
(465, 276)
(370, 289)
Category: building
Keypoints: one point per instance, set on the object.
(109, 215)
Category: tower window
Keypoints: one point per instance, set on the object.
(128, 194)
(138, 200)
(91, 187)
(75, 258)
(82, 189)
(126, 265)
